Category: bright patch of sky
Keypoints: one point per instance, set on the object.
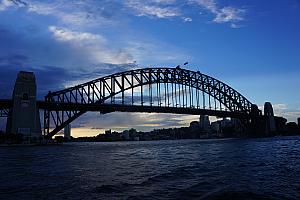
(251, 45)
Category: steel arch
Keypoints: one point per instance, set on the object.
(99, 91)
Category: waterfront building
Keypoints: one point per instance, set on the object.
(133, 133)
(215, 129)
(215, 126)
(225, 123)
(194, 125)
(125, 135)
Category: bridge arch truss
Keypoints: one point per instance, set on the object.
(171, 90)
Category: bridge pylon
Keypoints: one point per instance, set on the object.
(270, 119)
(24, 115)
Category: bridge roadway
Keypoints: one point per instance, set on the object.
(108, 108)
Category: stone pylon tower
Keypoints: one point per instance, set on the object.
(24, 117)
(270, 120)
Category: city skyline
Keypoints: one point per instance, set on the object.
(251, 46)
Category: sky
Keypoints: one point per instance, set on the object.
(252, 45)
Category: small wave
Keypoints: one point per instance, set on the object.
(179, 173)
(236, 195)
(108, 189)
(224, 194)
(261, 164)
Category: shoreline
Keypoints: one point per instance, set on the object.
(28, 145)
(55, 144)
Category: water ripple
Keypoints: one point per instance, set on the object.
(187, 169)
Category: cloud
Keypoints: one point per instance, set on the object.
(155, 8)
(280, 107)
(291, 115)
(50, 77)
(283, 110)
(68, 35)
(63, 47)
(90, 13)
(94, 46)
(187, 19)
(75, 13)
(172, 8)
(232, 25)
(228, 14)
(4, 4)
(82, 50)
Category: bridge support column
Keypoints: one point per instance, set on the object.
(24, 116)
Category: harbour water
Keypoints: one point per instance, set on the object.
(267, 168)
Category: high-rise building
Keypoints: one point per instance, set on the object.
(204, 122)
(125, 135)
(107, 132)
(215, 126)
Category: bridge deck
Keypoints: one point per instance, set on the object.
(107, 108)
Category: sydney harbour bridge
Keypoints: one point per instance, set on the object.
(159, 90)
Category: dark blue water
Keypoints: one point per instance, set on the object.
(183, 169)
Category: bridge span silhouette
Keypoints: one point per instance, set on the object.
(159, 90)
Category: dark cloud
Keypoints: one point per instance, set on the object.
(19, 2)
(49, 78)
(54, 64)
(13, 60)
